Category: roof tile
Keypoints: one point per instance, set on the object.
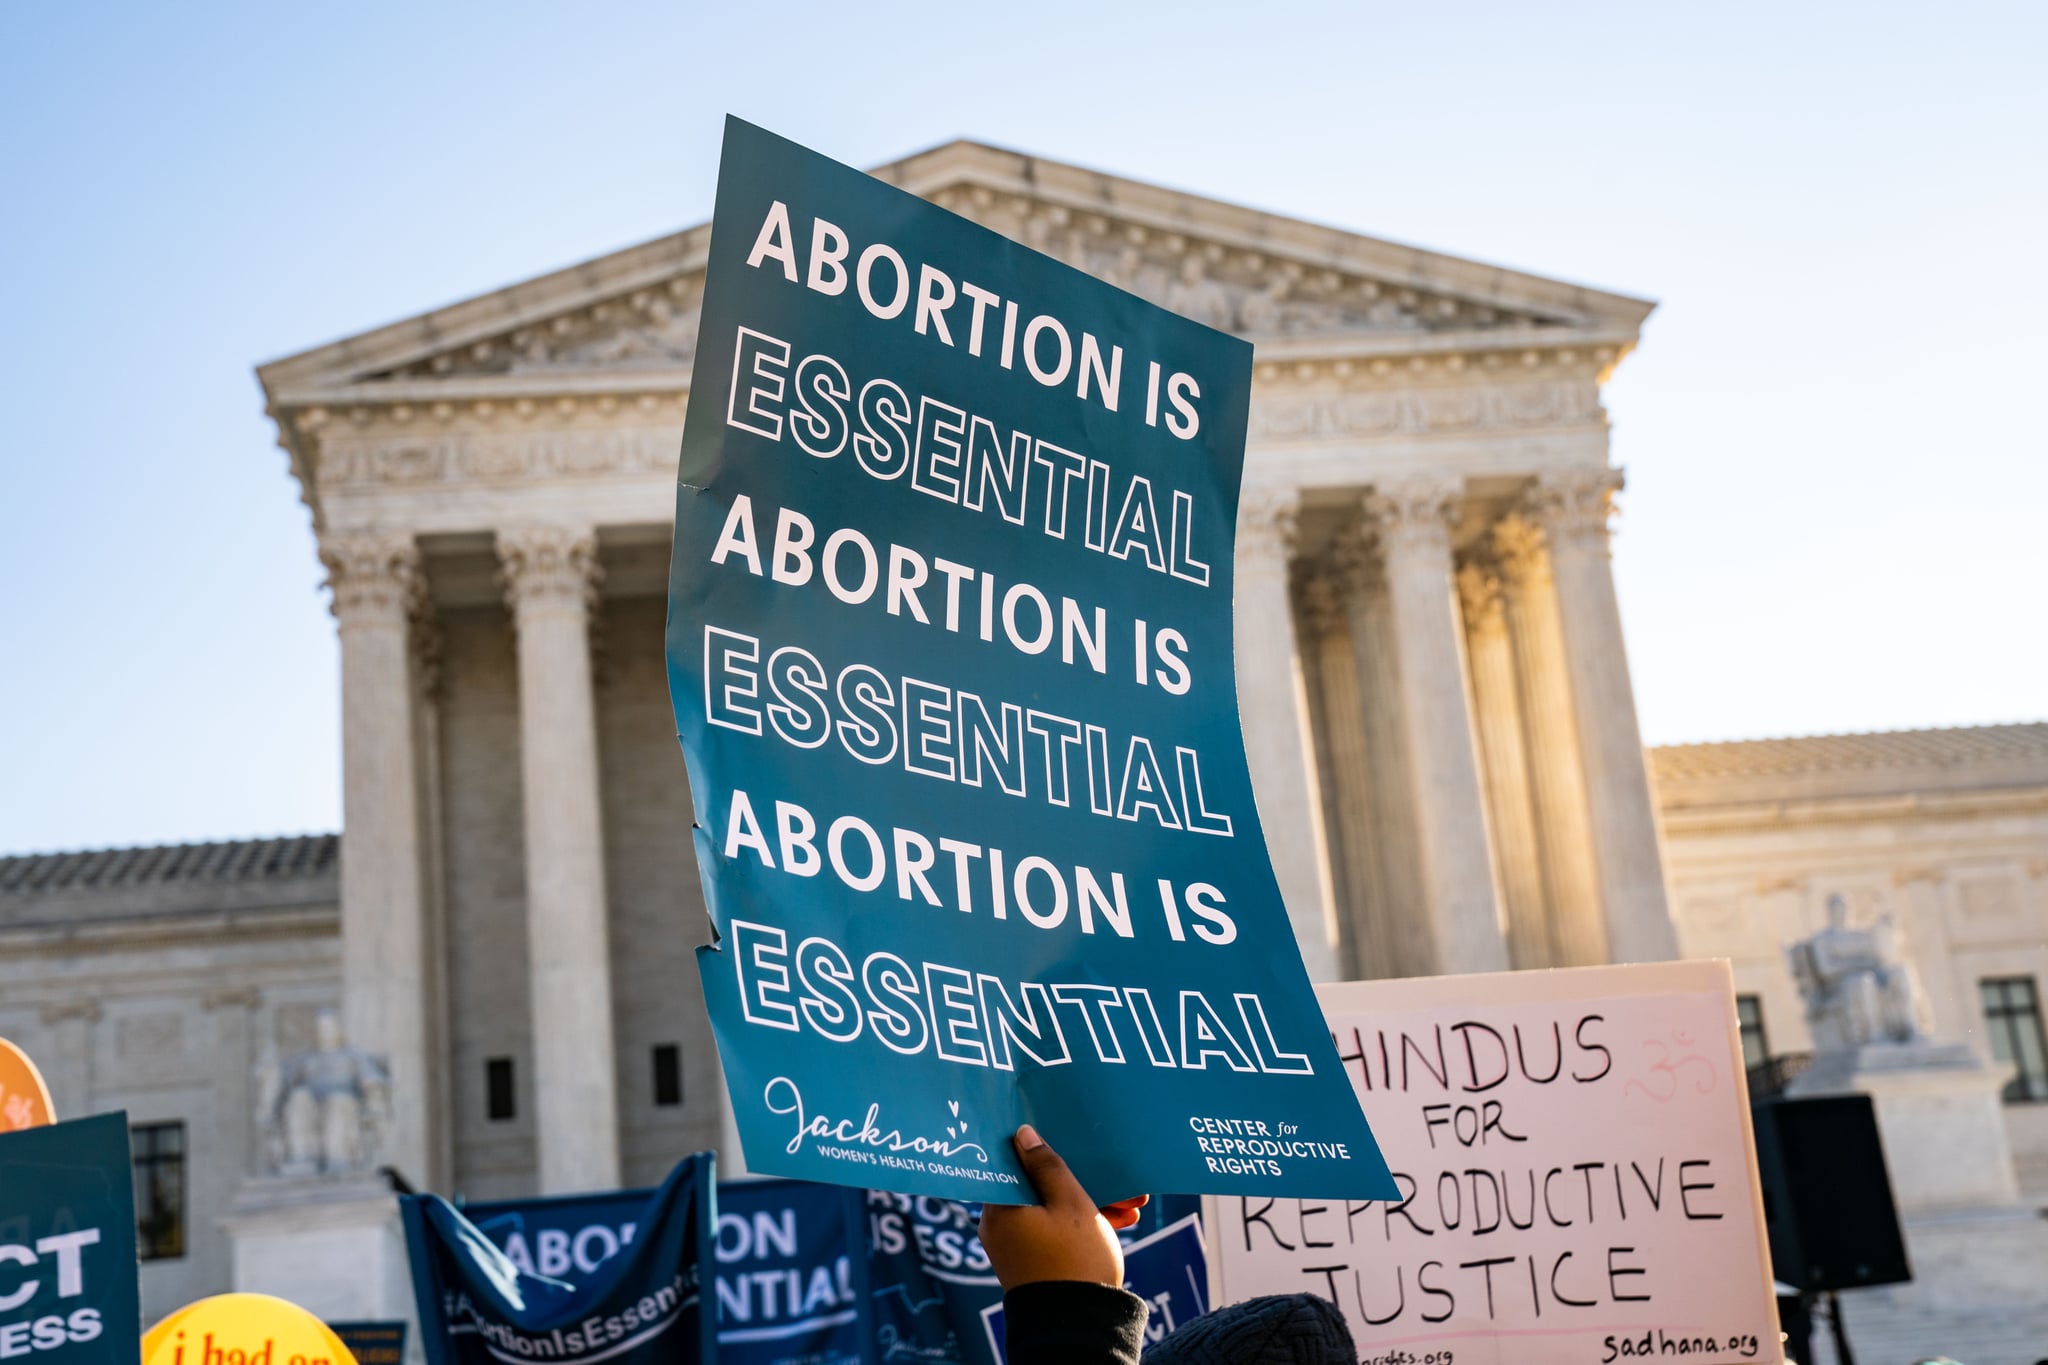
(1944, 748)
(286, 858)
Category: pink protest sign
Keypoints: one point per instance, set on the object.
(1578, 1178)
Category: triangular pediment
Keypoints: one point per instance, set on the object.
(1295, 289)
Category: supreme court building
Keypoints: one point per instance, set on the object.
(1432, 674)
(1431, 665)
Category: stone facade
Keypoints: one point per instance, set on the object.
(492, 488)
(150, 980)
(1945, 831)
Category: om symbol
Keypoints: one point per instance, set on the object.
(1675, 1064)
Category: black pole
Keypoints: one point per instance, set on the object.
(1842, 1352)
(1795, 1320)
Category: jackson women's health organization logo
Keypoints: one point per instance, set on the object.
(865, 1137)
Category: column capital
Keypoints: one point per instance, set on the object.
(545, 567)
(1574, 506)
(372, 576)
(1414, 514)
(1319, 599)
(1267, 524)
(1520, 551)
(1354, 562)
(1479, 593)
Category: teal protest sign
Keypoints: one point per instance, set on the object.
(949, 647)
(1168, 1269)
(68, 1291)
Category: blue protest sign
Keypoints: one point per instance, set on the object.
(791, 1282)
(932, 1280)
(68, 1292)
(789, 1272)
(950, 652)
(933, 1285)
(1168, 1269)
(642, 1306)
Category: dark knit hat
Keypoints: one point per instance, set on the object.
(1284, 1329)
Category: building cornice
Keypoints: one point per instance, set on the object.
(161, 931)
(1316, 300)
(1773, 816)
(963, 166)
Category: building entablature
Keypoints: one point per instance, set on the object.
(1374, 359)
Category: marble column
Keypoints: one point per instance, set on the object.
(1402, 936)
(1504, 767)
(550, 575)
(1550, 730)
(1573, 508)
(1460, 892)
(385, 940)
(1345, 768)
(1272, 708)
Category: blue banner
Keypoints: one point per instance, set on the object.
(642, 1305)
(950, 652)
(1167, 1268)
(791, 1282)
(790, 1276)
(932, 1280)
(817, 1274)
(934, 1288)
(564, 1236)
(68, 1293)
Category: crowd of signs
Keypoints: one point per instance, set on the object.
(769, 1272)
(795, 1272)
(942, 912)
(1572, 1156)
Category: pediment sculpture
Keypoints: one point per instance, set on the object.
(655, 326)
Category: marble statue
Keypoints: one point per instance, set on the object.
(1857, 991)
(323, 1111)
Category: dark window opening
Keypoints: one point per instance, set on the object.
(1756, 1046)
(2012, 1013)
(157, 1151)
(498, 1099)
(668, 1075)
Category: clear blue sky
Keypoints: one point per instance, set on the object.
(1832, 430)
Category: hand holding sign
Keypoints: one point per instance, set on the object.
(1064, 1238)
(951, 658)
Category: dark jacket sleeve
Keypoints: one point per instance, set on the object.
(1069, 1322)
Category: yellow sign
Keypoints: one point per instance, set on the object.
(243, 1329)
(24, 1099)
